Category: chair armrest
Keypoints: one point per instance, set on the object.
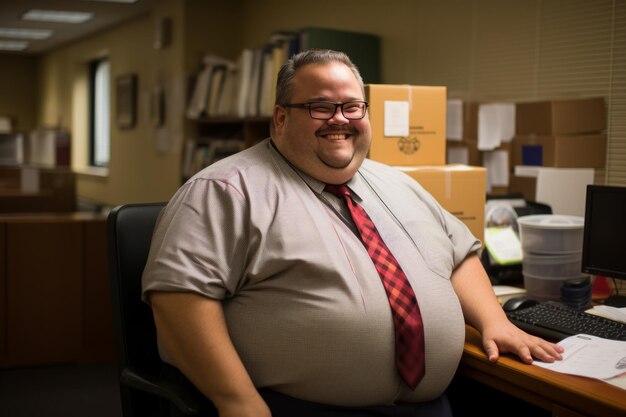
(180, 397)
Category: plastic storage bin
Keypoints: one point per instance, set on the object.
(546, 288)
(568, 265)
(551, 234)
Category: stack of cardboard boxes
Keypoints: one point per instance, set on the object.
(409, 132)
(481, 134)
(559, 148)
(549, 152)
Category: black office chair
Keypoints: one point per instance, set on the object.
(144, 392)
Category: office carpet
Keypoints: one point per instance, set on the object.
(63, 391)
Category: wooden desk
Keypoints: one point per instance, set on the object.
(562, 395)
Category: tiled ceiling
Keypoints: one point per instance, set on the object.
(106, 14)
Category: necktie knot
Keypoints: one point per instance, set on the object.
(340, 191)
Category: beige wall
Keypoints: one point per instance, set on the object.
(19, 90)
(504, 50)
(480, 49)
(145, 163)
(145, 160)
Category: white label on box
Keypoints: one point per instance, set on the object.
(396, 118)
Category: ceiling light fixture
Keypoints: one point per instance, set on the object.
(13, 45)
(57, 16)
(117, 1)
(25, 33)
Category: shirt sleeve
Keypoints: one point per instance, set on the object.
(199, 243)
(463, 241)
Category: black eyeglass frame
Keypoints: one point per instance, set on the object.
(337, 105)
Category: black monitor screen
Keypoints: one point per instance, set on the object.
(604, 248)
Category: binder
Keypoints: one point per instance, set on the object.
(362, 48)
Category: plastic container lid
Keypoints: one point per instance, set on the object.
(552, 221)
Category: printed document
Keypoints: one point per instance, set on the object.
(590, 356)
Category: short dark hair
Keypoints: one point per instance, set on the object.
(284, 83)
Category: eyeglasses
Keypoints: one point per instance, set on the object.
(326, 110)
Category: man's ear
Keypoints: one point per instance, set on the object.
(278, 118)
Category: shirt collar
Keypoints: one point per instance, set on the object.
(355, 183)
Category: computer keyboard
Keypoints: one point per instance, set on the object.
(554, 321)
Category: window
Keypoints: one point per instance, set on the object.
(99, 113)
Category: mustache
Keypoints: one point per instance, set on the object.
(327, 130)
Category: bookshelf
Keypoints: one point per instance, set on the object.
(220, 136)
(231, 101)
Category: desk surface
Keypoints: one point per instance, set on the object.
(559, 393)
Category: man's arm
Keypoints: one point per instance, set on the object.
(482, 310)
(193, 331)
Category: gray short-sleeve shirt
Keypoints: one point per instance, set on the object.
(304, 305)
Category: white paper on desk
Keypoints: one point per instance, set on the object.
(590, 356)
(610, 312)
(618, 381)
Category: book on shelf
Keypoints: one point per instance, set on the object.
(215, 90)
(226, 101)
(255, 82)
(188, 157)
(286, 40)
(201, 95)
(266, 98)
(244, 75)
(281, 46)
(247, 87)
(198, 157)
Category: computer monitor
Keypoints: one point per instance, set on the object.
(604, 235)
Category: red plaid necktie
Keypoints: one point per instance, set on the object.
(407, 320)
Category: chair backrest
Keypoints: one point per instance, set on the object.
(129, 231)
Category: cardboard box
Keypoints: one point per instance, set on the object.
(563, 189)
(460, 189)
(577, 151)
(561, 117)
(408, 124)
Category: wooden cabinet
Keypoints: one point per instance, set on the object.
(55, 301)
(36, 189)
